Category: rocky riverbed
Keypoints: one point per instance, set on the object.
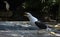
(23, 29)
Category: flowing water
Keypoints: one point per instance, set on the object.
(23, 29)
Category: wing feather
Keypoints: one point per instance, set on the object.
(41, 25)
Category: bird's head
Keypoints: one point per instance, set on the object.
(27, 14)
(31, 18)
(5, 1)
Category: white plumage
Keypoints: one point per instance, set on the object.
(35, 21)
(7, 5)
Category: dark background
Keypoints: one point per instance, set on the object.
(37, 8)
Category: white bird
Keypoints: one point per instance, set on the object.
(41, 25)
(7, 5)
(35, 21)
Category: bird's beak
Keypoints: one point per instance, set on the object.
(25, 14)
